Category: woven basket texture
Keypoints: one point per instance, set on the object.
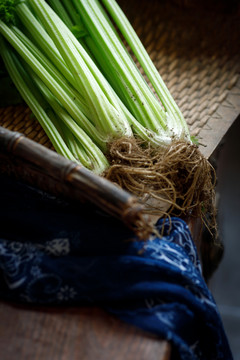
(196, 50)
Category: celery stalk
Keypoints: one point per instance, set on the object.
(144, 133)
(146, 63)
(96, 160)
(53, 85)
(34, 99)
(137, 95)
(107, 118)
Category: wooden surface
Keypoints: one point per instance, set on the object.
(83, 333)
(73, 334)
(202, 76)
(220, 122)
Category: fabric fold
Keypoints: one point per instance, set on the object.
(88, 258)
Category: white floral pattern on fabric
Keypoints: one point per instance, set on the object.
(167, 253)
(36, 271)
(57, 247)
(156, 285)
(13, 257)
(66, 293)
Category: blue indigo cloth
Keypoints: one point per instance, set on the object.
(56, 253)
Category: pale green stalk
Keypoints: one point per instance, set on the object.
(53, 71)
(138, 96)
(175, 118)
(95, 159)
(107, 118)
(34, 99)
(145, 134)
(59, 9)
(52, 84)
(42, 39)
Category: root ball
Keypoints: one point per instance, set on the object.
(173, 181)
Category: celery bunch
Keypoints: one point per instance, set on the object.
(72, 69)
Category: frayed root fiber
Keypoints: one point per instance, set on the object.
(173, 181)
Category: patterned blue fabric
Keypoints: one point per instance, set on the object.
(61, 254)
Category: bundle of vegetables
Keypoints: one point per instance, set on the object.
(73, 70)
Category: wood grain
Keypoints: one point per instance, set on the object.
(73, 334)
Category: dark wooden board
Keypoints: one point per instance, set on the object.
(73, 334)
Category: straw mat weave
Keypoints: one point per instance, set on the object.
(197, 52)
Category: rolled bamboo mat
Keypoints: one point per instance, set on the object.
(196, 49)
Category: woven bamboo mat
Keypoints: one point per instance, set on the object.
(197, 52)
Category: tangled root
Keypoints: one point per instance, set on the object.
(172, 181)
